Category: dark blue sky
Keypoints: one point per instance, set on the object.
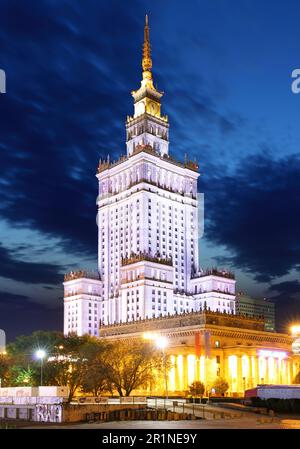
(225, 68)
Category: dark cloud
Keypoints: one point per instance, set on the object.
(255, 214)
(67, 91)
(286, 296)
(66, 86)
(70, 67)
(29, 272)
(19, 315)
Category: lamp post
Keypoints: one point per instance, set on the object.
(40, 354)
(162, 343)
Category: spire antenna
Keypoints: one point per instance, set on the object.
(147, 61)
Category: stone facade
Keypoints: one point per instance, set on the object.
(205, 345)
(148, 233)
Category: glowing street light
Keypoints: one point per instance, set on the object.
(41, 354)
(295, 330)
(161, 343)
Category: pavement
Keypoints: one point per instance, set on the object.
(215, 417)
(242, 423)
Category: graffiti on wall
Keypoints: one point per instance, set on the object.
(49, 413)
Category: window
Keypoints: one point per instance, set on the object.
(217, 345)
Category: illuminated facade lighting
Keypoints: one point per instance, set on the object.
(275, 354)
(148, 231)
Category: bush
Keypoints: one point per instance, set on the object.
(220, 385)
(196, 388)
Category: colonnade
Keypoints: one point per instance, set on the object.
(242, 371)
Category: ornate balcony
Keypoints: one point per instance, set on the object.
(81, 292)
(215, 272)
(203, 317)
(105, 165)
(81, 274)
(145, 257)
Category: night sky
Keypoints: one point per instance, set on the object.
(225, 68)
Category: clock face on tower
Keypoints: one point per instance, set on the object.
(153, 108)
(140, 108)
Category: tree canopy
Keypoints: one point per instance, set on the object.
(197, 388)
(220, 385)
(83, 363)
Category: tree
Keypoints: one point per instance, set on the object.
(95, 379)
(220, 385)
(71, 364)
(22, 357)
(197, 388)
(133, 364)
(69, 360)
(4, 369)
(21, 377)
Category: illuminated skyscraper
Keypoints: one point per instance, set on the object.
(148, 238)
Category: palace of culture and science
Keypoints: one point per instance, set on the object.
(149, 280)
(148, 255)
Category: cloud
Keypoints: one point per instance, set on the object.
(30, 272)
(70, 67)
(18, 315)
(66, 86)
(254, 213)
(286, 296)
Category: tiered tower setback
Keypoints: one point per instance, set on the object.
(148, 256)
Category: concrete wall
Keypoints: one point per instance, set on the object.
(56, 413)
(76, 413)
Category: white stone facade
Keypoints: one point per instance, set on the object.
(148, 248)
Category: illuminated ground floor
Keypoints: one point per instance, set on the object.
(207, 345)
(241, 367)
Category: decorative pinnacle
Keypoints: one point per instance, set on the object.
(146, 61)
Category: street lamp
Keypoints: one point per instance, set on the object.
(295, 330)
(41, 354)
(162, 343)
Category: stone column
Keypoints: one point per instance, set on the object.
(197, 368)
(177, 380)
(249, 383)
(255, 371)
(267, 370)
(185, 372)
(239, 374)
(224, 368)
(279, 370)
(290, 371)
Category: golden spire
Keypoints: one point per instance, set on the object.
(147, 61)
